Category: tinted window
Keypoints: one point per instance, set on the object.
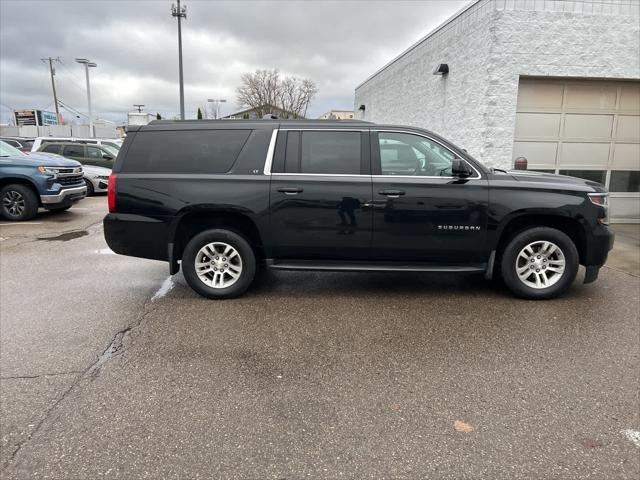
(593, 175)
(13, 143)
(51, 149)
(625, 181)
(185, 151)
(330, 153)
(94, 153)
(73, 151)
(407, 154)
(292, 154)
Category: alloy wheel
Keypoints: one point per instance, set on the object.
(13, 203)
(218, 265)
(540, 264)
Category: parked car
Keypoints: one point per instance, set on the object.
(28, 182)
(98, 155)
(221, 197)
(21, 143)
(96, 179)
(114, 143)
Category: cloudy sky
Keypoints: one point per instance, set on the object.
(336, 43)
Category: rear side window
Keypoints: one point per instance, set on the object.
(324, 153)
(184, 151)
(74, 151)
(51, 149)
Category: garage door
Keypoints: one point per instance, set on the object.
(585, 128)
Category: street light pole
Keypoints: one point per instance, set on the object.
(88, 63)
(180, 13)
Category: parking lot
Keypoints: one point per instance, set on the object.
(112, 369)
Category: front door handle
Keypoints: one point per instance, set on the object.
(391, 193)
(290, 190)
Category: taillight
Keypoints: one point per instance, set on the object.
(111, 193)
(601, 200)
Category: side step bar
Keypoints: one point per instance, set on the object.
(350, 266)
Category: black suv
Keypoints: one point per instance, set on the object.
(223, 197)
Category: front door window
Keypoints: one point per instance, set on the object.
(412, 155)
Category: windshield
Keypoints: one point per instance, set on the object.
(112, 151)
(7, 150)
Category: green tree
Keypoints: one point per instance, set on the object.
(199, 114)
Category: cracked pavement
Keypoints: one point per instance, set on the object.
(110, 370)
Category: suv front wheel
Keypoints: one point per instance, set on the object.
(539, 263)
(18, 202)
(219, 264)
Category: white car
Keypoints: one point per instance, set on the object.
(110, 142)
(96, 178)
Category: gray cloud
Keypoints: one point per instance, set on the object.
(336, 43)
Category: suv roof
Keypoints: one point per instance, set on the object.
(240, 124)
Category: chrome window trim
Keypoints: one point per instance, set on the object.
(325, 129)
(288, 174)
(270, 151)
(479, 176)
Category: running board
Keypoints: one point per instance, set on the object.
(351, 266)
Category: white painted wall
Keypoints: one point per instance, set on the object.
(488, 47)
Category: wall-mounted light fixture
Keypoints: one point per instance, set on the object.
(441, 69)
(361, 107)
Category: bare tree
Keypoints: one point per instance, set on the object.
(265, 89)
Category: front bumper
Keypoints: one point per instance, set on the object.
(67, 195)
(598, 246)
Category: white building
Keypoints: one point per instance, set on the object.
(139, 118)
(337, 115)
(555, 81)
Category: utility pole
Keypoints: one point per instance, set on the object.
(180, 13)
(88, 63)
(53, 83)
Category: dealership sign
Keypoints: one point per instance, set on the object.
(35, 117)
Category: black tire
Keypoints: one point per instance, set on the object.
(235, 240)
(539, 234)
(90, 190)
(26, 206)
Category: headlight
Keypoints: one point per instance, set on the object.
(601, 200)
(48, 171)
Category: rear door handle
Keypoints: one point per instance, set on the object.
(290, 190)
(391, 193)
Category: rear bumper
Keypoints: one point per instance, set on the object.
(136, 235)
(64, 197)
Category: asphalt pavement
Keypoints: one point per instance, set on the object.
(109, 368)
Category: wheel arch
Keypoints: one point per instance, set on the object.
(521, 221)
(192, 221)
(21, 181)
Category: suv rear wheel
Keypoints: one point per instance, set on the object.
(539, 263)
(18, 202)
(219, 264)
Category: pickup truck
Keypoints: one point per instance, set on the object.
(221, 198)
(28, 182)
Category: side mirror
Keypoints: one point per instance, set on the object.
(106, 156)
(459, 168)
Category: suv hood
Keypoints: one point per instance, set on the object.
(550, 179)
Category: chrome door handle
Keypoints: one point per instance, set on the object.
(391, 193)
(290, 190)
